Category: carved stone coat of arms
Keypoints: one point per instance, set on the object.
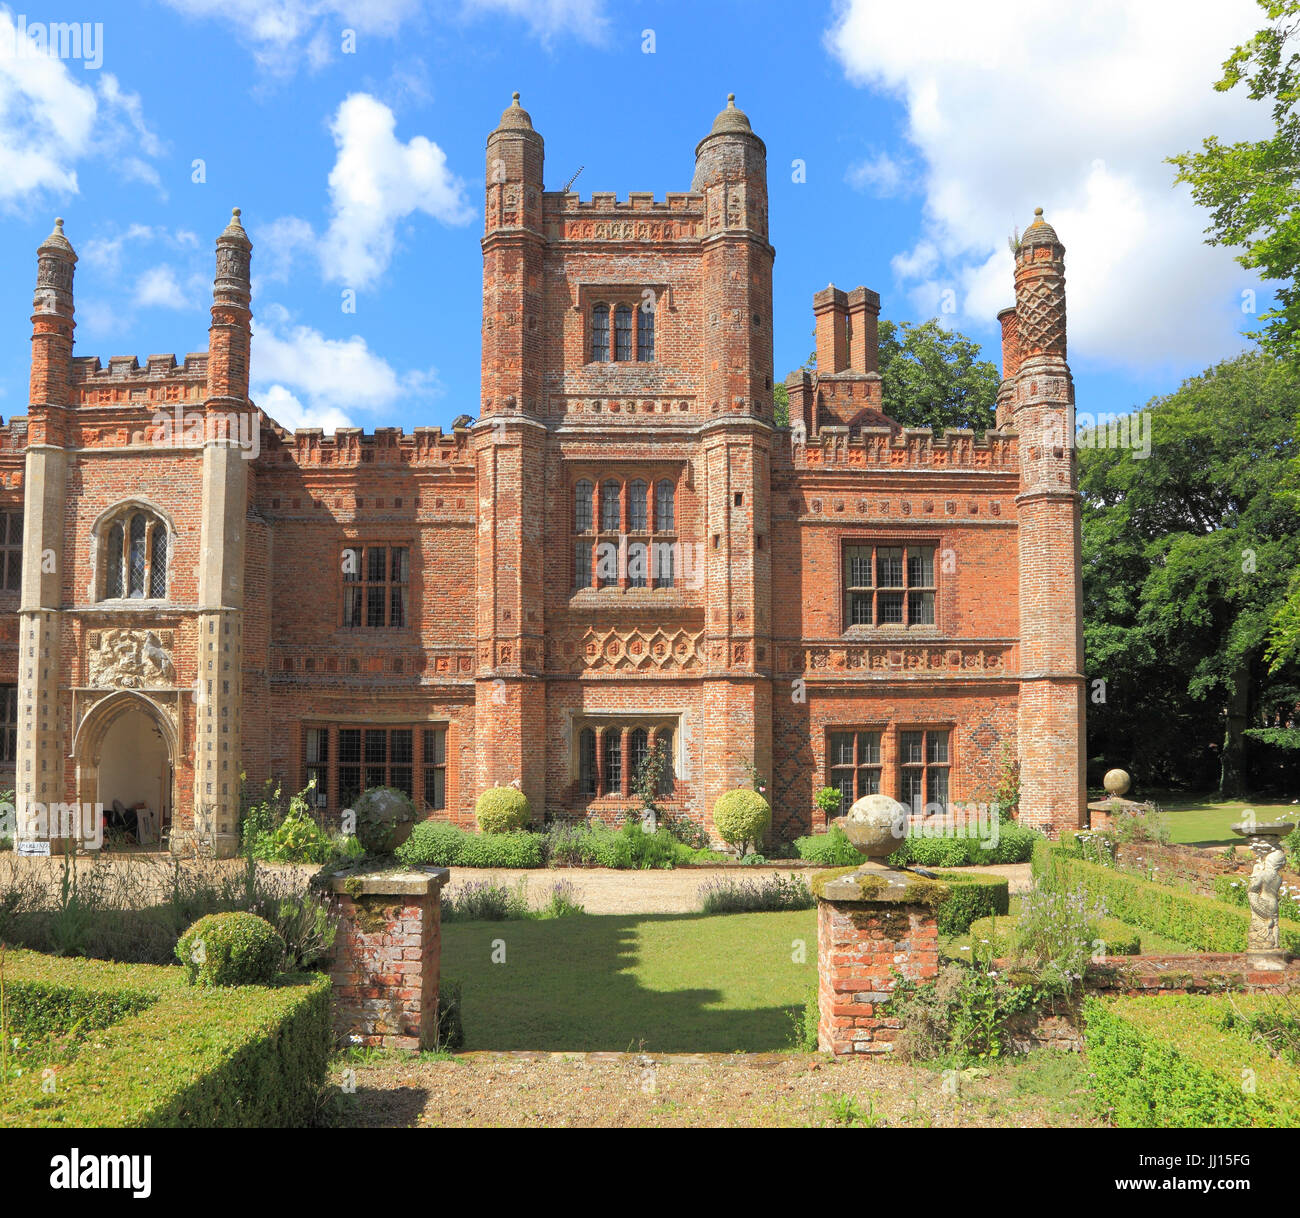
(131, 659)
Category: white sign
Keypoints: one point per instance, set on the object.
(38, 848)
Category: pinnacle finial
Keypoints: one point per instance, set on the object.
(58, 223)
(235, 213)
(514, 97)
(1038, 211)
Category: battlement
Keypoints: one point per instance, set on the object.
(125, 380)
(424, 446)
(904, 447)
(637, 202)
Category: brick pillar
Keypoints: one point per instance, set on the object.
(872, 924)
(386, 957)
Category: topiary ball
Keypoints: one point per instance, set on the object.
(742, 817)
(385, 817)
(502, 809)
(230, 949)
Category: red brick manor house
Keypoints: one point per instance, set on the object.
(623, 548)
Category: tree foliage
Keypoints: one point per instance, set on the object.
(931, 377)
(1252, 188)
(1188, 556)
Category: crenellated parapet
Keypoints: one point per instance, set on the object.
(640, 217)
(125, 380)
(423, 447)
(895, 447)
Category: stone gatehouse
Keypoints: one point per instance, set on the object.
(618, 546)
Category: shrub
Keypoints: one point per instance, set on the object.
(298, 838)
(230, 949)
(830, 801)
(829, 849)
(804, 1020)
(384, 819)
(1203, 923)
(686, 831)
(1057, 929)
(432, 843)
(501, 850)
(1015, 844)
(742, 817)
(962, 1013)
(438, 844)
(501, 809)
(768, 895)
(485, 901)
(450, 1034)
(1119, 939)
(1176, 1061)
(563, 901)
(166, 1054)
(974, 895)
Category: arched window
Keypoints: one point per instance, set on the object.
(645, 333)
(135, 557)
(622, 333)
(613, 762)
(582, 507)
(636, 498)
(610, 508)
(600, 333)
(587, 761)
(638, 749)
(664, 510)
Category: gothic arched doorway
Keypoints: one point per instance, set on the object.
(125, 750)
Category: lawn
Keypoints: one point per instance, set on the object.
(665, 983)
(1199, 820)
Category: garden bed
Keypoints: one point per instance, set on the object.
(135, 1046)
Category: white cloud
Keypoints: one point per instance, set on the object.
(1018, 103)
(159, 288)
(879, 175)
(300, 371)
(55, 112)
(277, 246)
(285, 35)
(376, 182)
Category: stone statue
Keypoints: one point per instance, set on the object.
(1262, 893)
(1263, 941)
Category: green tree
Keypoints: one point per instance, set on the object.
(1252, 188)
(934, 377)
(931, 377)
(1187, 559)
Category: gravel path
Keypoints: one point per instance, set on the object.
(775, 1089)
(603, 891)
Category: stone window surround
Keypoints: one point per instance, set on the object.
(121, 513)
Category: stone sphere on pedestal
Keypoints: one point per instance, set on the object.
(1116, 782)
(876, 825)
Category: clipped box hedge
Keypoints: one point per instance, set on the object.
(1203, 923)
(1120, 940)
(163, 1053)
(975, 895)
(1175, 1062)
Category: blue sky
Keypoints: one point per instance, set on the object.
(926, 136)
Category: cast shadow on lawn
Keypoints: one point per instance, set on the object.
(667, 983)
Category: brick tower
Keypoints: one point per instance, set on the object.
(41, 736)
(1051, 706)
(735, 438)
(509, 447)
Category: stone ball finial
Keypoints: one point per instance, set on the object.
(514, 117)
(731, 119)
(1039, 232)
(1116, 782)
(876, 825)
(56, 241)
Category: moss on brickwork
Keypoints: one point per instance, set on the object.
(892, 887)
